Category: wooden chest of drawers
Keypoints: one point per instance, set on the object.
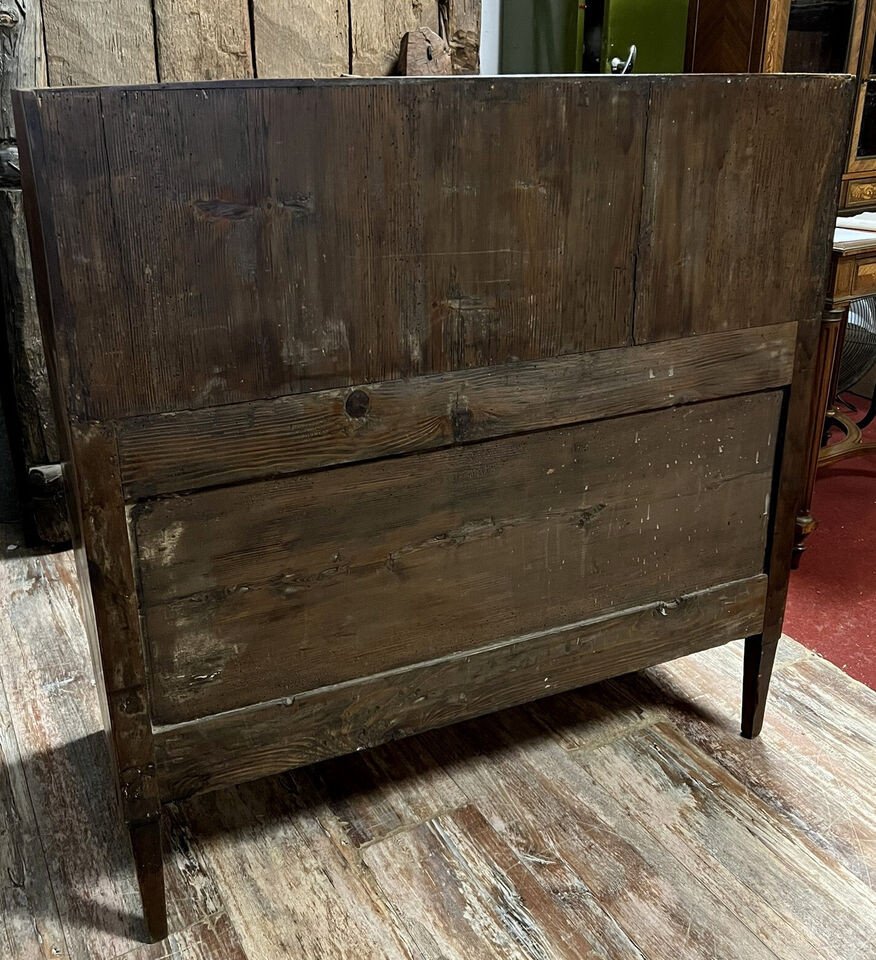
(390, 403)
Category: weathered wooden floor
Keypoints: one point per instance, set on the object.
(625, 821)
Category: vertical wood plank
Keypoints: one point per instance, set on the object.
(377, 27)
(22, 62)
(99, 41)
(464, 21)
(35, 428)
(202, 40)
(739, 233)
(307, 38)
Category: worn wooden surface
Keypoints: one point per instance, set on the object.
(709, 215)
(34, 422)
(302, 39)
(110, 41)
(423, 53)
(24, 385)
(626, 820)
(192, 449)
(376, 26)
(244, 744)
(202, 41)
(134, 41)
(555, 523)
(349, 572)
(349, 288)
(438, 285)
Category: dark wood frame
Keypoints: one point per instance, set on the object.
(157, 764)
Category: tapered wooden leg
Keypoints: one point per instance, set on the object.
(146, 841)
(760, 654)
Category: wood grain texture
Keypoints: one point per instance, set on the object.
(422, 53)
(464, 22)
(113, 619)
(99, 41)
(489, 895)
(219, 445)
(681, 794)
(376, 28)
(582, 830)
(203, 41)
(23, 59)
(482, 827)
(56, 719)
(308, 38)
(316, 281)
(713, 253)
(30, 927)
(804, 759)
(247, 744)
(348, 572)
(324, 908)
(37, 432)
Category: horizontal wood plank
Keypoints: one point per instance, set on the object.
(250, 743)
(218, 445)
(270, 589)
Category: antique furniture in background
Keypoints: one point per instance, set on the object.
(799, 36)
(852, 276)
(391, 403)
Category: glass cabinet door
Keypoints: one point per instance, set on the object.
(820, 36)
(863, 147)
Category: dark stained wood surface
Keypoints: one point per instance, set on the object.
(311, 283)
(237, 249)
(256, 741)
(265, 273)
(198, 448)
(727, 218)
(374, 567)
(512, 827)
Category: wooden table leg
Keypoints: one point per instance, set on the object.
(760, 654)
(831, 328)
(149, 863)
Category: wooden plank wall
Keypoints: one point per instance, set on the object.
(59, 43)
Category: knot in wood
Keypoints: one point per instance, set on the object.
(357, 404)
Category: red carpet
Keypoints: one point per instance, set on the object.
(832, 599)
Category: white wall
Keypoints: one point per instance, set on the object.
(491, 22)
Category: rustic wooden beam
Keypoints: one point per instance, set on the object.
(27, 398)
(376, 28)
(308, 38)
(423, 53)
(202, 41)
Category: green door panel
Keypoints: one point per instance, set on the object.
(658, 28)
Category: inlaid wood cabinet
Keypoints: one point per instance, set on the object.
(799, 36)
(390, 403)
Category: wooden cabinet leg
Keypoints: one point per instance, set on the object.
(146, 842)
(760, 654)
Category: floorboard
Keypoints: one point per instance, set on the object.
(625, 821)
